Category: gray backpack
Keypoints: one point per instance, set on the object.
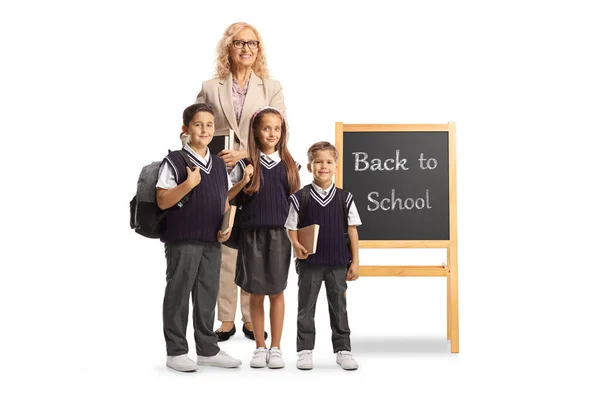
(145, 217)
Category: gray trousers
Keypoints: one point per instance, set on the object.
(310, 278)
(191, 268)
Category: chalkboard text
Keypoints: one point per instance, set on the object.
(362, 162)
(393, 202)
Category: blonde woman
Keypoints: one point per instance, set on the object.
(240, 87)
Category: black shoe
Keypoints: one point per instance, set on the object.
(250, 334)
(223, 336)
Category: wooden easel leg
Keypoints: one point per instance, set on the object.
(453, 288)
(448, 307)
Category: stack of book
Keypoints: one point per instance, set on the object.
(222, 140)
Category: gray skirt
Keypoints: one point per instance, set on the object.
(263, 260)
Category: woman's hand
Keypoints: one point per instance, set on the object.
(230, 157)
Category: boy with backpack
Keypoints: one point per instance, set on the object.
(335, 260)
(192, 237)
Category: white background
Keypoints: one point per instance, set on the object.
(92, 91)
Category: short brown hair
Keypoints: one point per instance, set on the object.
(189, 112)
(321, 146)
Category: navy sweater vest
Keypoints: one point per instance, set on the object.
(331, 249)
(267, 208)
(199, 219)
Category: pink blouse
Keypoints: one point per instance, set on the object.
(238, 95)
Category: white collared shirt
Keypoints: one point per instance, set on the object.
(237, 173)
(291, 222)
(166, 174)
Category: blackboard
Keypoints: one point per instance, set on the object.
(417, 163)
(400, 182)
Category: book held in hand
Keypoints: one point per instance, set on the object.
(222, 140)
(308, 237)
(228, 218)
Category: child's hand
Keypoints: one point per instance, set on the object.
(223, 237)
(193, 177)
(299, 251)
(352, 273)
(230, 157)
(248, 172)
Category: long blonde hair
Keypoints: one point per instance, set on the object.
(223, 62)
(293, 177)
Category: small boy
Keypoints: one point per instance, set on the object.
(192, 238)
(330, 262)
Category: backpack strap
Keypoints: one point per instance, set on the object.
(341, 195)
(188, 162)
(242, 198)
(186, 158)
(303, 201)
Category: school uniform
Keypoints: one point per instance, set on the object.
(233, 108)
(192, 251)
(264, 251)
(329, 264)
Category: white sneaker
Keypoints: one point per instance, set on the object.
(275, 359)
(181, 363)
(346, 360)
(305, 360)
(259, 358)
(221, 359)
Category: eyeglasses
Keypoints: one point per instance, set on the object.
(239, 44)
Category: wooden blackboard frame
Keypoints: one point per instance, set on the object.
(448, 269)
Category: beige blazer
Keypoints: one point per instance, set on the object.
(261, 92)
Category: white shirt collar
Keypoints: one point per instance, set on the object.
(204, 160)
(321, 192)
(271, 157)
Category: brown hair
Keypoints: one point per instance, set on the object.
(188, 116)
(223, 62)
(190, 111)
(291, 168)
(321, 146)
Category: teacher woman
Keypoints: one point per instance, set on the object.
(241, 87)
